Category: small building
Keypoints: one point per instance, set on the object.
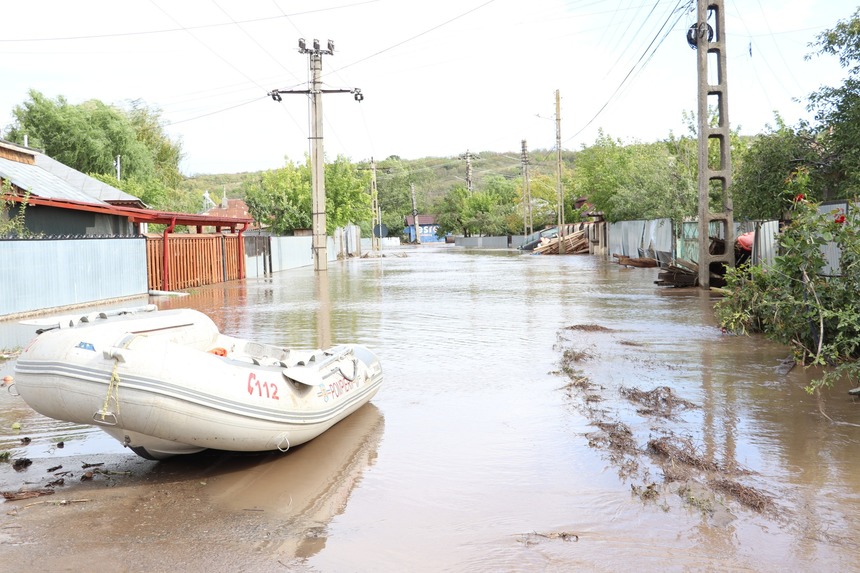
(62, 201)
(427, 228)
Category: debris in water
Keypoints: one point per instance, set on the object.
(530, 538)
(660, 401)
(21, 463)
(745, 495)
(588, 328)
(26, 494)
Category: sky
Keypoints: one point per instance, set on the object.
(439, 78)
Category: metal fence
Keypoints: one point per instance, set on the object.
(42, 274)
(38, 274)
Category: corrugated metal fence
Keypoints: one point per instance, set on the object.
(41, 274)
(46, 273)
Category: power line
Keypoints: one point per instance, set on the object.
(634, 67)
(217, 111)
(416, 36)
(182, 28)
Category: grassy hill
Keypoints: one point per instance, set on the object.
(433, 176)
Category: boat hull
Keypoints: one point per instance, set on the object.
(160, 388)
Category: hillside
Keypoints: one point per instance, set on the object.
(433, 176)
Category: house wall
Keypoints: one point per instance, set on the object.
(427, 233)
(51, 221)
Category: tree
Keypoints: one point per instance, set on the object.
(282, 198)
(634, 181)
(837, 110)
(542, 188)
(451, 212)
(347, 195)
(88, 137)
(772, 160)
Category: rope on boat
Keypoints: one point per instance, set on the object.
(113, 391)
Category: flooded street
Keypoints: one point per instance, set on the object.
(510, 434)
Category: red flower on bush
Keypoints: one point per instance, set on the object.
(839, 219)
(800, 197)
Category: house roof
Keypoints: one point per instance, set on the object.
(137, 215)
(53, 184)
(32, 171)
(422, 220)
(41, 183)
(88, 185)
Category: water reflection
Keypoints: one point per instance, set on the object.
(304, 490)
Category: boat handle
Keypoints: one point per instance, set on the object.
(354, 370)
(105, 418)
(115, 353)
(285, 439)
(9, 389)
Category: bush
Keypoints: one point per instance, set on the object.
(792, 303)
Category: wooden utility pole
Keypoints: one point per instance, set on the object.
(468, 157)
(528, 227)
(415, 215)
(318, 214)
(375, 223)
(707, 41)
(559, 190)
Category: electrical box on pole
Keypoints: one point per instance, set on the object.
(710, 45)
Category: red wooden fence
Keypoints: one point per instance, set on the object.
(193, 260)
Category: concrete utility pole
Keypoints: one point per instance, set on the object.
(415, 215)
(528, 227)
(468, 157)
(375, 223)
(318, 215)
(708, 41)
(559, 190)
(117, 164)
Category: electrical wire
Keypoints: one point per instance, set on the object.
(634, 67)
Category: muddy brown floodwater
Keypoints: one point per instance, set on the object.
(539, 413)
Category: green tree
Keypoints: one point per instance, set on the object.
(542, 188)
(451, 212)
(282, 198)
(89, 136)
(837, 110)
(771, 160)
(634, 181)
(347, 195)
